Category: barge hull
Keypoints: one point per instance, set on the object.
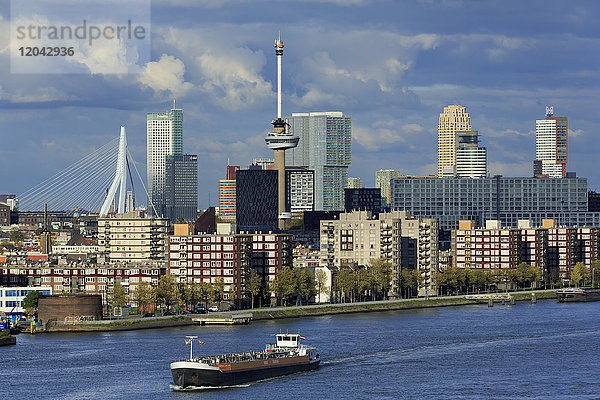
(186, 377)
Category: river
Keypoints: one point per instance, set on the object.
(547, 350)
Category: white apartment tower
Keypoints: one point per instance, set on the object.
(164, 134)
(550, 146)
(455, 118)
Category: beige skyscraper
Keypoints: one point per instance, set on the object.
(454, 118)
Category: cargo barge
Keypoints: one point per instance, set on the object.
(577, 295)
(286, 356)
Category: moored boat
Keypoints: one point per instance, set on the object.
(577, 295)
(284, 357)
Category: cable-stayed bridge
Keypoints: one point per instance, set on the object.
(92, 184)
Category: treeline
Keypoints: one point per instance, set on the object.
(168, 294)
(457, 280)
(371, 282)
(297, 285)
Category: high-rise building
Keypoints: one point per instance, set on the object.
(355, 183)
(471, 160)
(506, 199)
(550, 146)
(227, 194)
(326, 147)
(454, 118)
(256, 199)
(382, 181)
(362, 199)
(181, 187)
(356, 238)
(164, 134)
(300, 189)
(132, 237)
(129, 201)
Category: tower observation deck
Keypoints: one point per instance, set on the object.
(279, 140)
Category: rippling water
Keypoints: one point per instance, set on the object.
(547, 350)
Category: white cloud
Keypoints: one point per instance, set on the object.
(233, 78)
(382, 135)
(223, 67)
(106, 56)
(166, 75)
(384, 59)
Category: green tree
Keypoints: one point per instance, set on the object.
(305, 283)
(218, 289)
(166, 291)
(523, 270)
(440, 279)
(408, 282)
(477, 278)
(515, 276)
(193, 295)
(286, 283)
(205, 289)
(418, 278)
(30, 302)
(363, 282)
(142, 295)
(118, 296)
(595, 272)
(254, 285)
(320, 284)
(380, 276)
(345, 282)
(580, 272)
(453, 278)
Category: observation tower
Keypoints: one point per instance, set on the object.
(280, 139)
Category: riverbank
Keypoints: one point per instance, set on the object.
(290, 312)
(391, 305)
(346, 308)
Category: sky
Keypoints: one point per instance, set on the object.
(391, 65)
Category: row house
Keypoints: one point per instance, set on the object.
(553, 250)
(81, 278)
(207, 258)
(485, 248)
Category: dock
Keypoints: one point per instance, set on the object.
(7, 341)
(484, 298)
(222, 319)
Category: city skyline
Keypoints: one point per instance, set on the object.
(504, 66)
